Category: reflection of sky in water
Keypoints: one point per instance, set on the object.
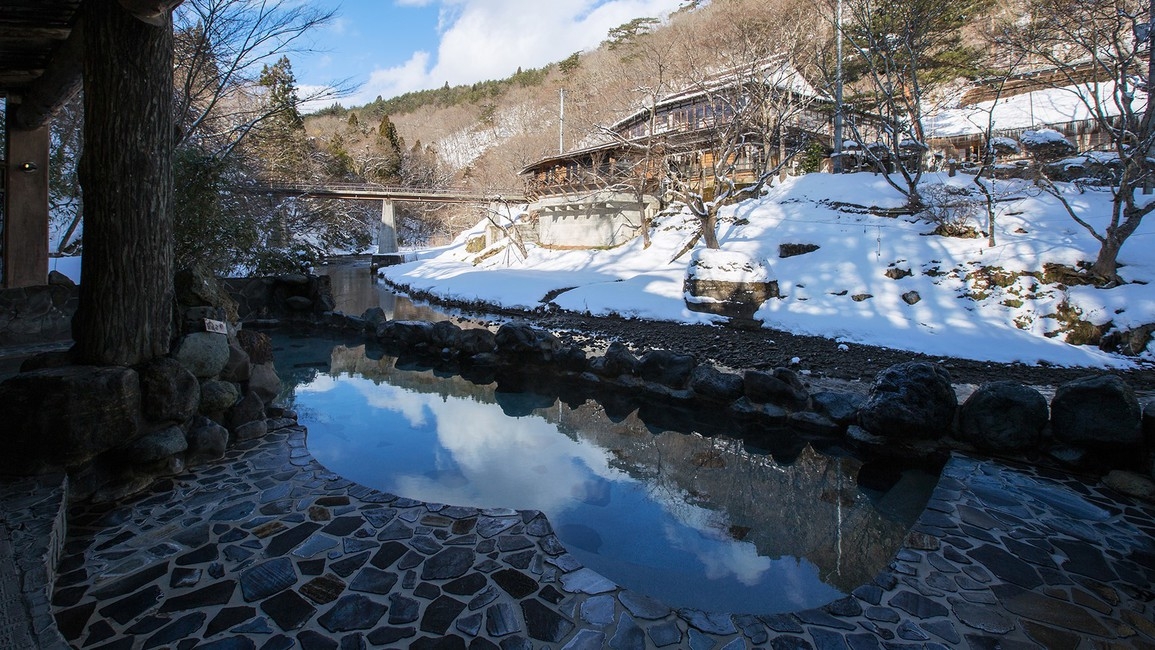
(458, 451)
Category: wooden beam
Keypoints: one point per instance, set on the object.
(60, 81)
(19, 77)
(31, 33)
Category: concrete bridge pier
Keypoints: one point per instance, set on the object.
(387, 250)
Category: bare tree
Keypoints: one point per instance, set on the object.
(900, 52)
(1101, 51)
(751, 112)
(221, 48)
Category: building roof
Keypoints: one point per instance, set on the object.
(1028, 110)
(570, 155)
(777, 73)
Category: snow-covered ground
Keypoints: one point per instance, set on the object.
(954, 317)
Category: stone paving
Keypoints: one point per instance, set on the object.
(267, 549)
(32, 525)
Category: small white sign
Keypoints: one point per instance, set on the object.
(216, 326)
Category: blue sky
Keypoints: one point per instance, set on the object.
(389, 47)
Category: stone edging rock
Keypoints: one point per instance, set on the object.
(911, 410)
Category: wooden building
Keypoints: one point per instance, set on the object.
(601, 195)
(1047, 98)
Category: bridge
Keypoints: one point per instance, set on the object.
(374, 191)
(387, 249)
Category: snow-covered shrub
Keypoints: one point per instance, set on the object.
(1046, 145)
(951, 209)
(1089, 168)
(1003, 146)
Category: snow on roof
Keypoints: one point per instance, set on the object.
(777, 72)
(1028, 110)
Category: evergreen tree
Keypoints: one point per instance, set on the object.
(281, 136)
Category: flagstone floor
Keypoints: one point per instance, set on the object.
(268, 549)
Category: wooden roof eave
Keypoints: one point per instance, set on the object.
(42, 53)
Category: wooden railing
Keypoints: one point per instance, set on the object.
(384, 192)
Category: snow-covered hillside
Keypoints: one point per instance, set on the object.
(974, 301)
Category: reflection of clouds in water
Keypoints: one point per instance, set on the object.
(319, 384)
(489, 459)
(411, 406)
(721, 558)
(507, 462)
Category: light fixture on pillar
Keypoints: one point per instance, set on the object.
(28, 167)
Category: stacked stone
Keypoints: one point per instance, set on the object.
(289, 297)
(37, 314)
(115, 429)
(911, 410)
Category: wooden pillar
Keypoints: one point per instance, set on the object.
(126, 298)
(26, 208)
(387, 234)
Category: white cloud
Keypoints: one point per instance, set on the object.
(490, 39)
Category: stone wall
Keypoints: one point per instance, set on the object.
(115, 429)
(282, 297)
(600, 220)
(38, 314)
(911, 411)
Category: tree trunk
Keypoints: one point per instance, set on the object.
(710, 227)
(126, 307)
(1106, 264)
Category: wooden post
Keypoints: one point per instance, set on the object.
(26, 208)
(126, 296)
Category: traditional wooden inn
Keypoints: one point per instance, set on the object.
(1061, 100)
(602, 195)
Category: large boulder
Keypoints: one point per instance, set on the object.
(1003, 416)
(257, 345)
(196, 287)
(373, 317)
(1097, 411)
(910, 400)
(617, 361)
(155, 446)
(250, 409)
(169, 391)
(406, 333)
(207, 441)
(572, 358)
(521, 339)
(264, 382)
(217, 397)
(203, 353)
(476, 340)
(666, 368)
(66, 416)
(712, 383)
(727, 283)
(840, 407)
(781, 386)
(445, 335)
(237, 367)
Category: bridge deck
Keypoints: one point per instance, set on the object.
(370, 191)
